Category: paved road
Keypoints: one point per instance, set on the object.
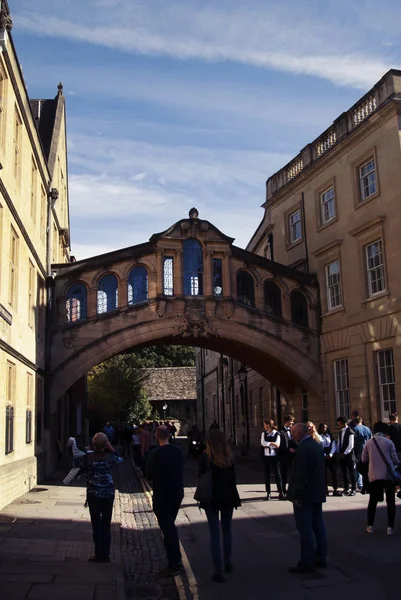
(45, 540)
(266, 544)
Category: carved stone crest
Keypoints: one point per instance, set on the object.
(197, 322)
(161, 307)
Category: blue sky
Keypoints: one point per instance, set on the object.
(194, 103)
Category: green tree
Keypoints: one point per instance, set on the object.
(115, 387)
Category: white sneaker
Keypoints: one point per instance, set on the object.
(390, 531)
(370, 529)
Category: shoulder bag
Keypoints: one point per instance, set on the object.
(392, 473)
(204, 490)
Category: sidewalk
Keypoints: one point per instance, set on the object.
(45, 543)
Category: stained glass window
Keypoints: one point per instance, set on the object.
(168, 275)
(193, 268)
(76, 303)
(107, 294)
(245, 288)
(137, 285)
(217, 277)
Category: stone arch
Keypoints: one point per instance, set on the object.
(286, 364)
(138, 263)
(245, 287)
(138, 284)
(107, 293)
(272, 294)
(76, 302)
(299, 308)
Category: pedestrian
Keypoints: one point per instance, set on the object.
(100, 492)
(218, 458)
(313, 433)
(136, 448)
(146, 442)
(164, 467)
(354, 416)
(108, 429)
(346, 454)
(270, 442)
(307, 492)
(214, 425)
(395, 433)
(74, 453)
(286, 450)
(362, 435)
(380, 452)
(329, 449)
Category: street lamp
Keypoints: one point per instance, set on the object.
(243, 375)
(165, 407)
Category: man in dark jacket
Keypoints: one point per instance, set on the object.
(395, 433)
(286, 450)
(307, 492)
(164, 466)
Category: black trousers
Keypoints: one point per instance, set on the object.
(285, 469)
(376, 489)
(166, 513)
(101, 510)
(270, 463)
(348, 468)
(331, 465)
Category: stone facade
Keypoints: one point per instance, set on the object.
(334, 211)
(27, 209)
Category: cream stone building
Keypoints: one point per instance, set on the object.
(334, 211)
(34, 225)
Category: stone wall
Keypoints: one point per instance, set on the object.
(16, 479)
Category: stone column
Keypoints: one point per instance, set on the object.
(92, 302)
(227, 275)
(122, 293)
(178, 273)
(207, 273)
(159, 272)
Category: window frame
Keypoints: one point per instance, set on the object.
(368, 271)
(13, 269)
(324, 222)
(361, 178)
(382, 385)
(290, 225)
(330, 306)
(357, 165)
(168, 290)
(338, 391)
(17, 145)
(10, 408)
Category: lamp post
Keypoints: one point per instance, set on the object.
(165, 407)
(243, 378)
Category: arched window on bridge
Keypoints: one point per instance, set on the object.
(137, 285)
(299, 309)
(107, 294)
(193, 268)
(272, 299)
(75, 303)
(245, 288)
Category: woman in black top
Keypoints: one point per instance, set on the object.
(225, 498)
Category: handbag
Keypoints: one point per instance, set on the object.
(204, 489)
(392, 473)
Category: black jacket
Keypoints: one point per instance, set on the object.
(307, 480)
(225, 493)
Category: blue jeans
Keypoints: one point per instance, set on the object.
(101, 510)
(312, 530)
(214, 528)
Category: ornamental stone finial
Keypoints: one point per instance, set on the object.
(193, 213)
(5, 17)
(60, 89)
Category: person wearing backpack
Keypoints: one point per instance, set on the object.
(380, 453)
(346, 453)
(224, 498)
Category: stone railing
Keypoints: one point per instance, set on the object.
(388, 87)
(295, 167)
(363, 110)
(324, 142)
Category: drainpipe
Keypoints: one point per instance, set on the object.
(305, 236)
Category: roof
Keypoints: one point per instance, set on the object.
(171, 383)
(47, 115)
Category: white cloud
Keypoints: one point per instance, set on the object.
(336, 44)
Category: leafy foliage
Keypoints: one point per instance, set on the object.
(115, 387)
